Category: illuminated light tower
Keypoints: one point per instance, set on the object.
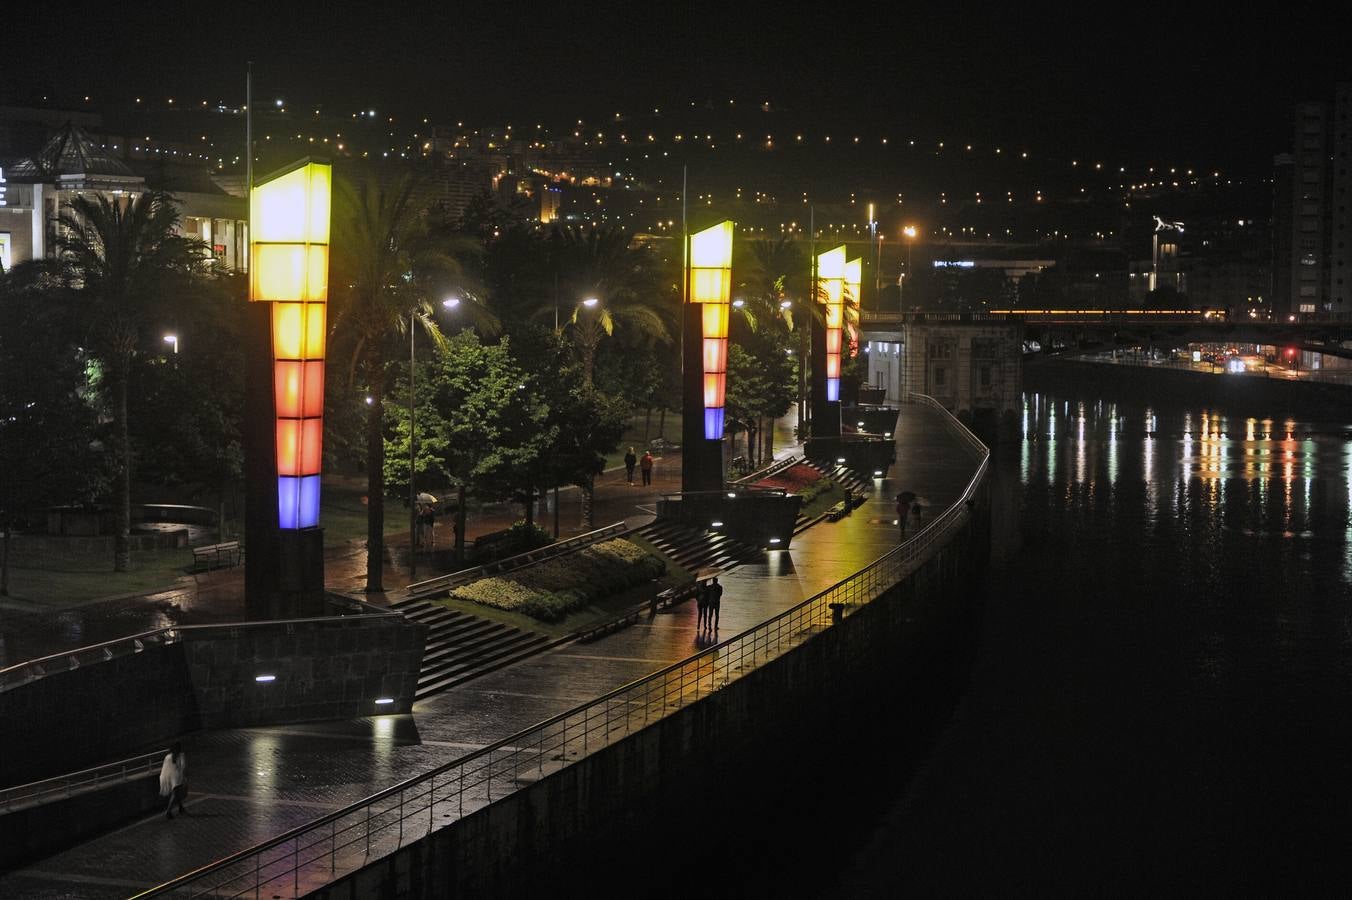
(288, 270)
(827, 338)
(708, 290)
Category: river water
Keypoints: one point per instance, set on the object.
(1161, 700)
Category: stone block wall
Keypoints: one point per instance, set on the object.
(321, 669)
(332, 668)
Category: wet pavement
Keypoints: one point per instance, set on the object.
(250, 784)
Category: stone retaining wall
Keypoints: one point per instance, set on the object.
(322, 669)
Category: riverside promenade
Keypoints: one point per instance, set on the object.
(249, 785)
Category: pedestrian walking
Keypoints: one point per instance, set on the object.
(174, 779)
(715, 600)
(915, 511)
(702, 601)
(903, 510)
(630, 460)
(646, 466)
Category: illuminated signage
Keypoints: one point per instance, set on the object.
(954, 264)
(709, 277)
(289, 268)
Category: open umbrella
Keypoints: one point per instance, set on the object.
(908, 497)
(425, 497)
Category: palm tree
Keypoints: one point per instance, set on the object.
(391, 263)
(128, 262)
(606, 264)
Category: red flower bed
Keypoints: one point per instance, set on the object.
(793, 479)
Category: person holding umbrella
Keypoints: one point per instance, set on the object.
(904, 501)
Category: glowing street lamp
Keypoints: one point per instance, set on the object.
(710, 279)
(289, 268)
(451, 302)
(831, 289)
(172, 339)
(909, 232)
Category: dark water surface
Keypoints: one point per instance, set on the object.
(1162, 696)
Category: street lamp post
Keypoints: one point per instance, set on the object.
(909, 232)
(172, 339)
(448, 303)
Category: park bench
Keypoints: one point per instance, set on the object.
(214, 556)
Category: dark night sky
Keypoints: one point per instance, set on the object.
(1091, 77)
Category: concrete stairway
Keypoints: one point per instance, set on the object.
(844, 477)
(696, 549)
(461, 646)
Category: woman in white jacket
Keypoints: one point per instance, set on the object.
(174, 779)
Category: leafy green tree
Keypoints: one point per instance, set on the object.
(393, 266)
(46, 424)
(130, 267)
(481, 423)
(188, 406)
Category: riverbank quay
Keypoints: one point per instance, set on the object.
(253, 784)
(1246, 394)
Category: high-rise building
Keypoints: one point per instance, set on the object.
(1340, 198)
(1312, 225)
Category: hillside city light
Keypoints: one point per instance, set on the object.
(710, 279)
(831, 288)
(289, 268)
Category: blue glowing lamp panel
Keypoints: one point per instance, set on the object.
(713, 424)
(833, 390)
(297, 502)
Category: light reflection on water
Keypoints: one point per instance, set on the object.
(1199, 474)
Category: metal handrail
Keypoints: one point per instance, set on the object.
(344, 840)
(773, 469)
(549, 551)
(66, 660)
(59, 787)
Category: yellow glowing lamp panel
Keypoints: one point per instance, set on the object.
(854, 275)
(715, 320)
(292, 208)
(289, 254)
(831, 264)
(712, 247)
(298, 330)
(711, 264)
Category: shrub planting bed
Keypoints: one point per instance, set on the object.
(552, 589)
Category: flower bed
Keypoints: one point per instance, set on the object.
(795, 479)
(552, 589)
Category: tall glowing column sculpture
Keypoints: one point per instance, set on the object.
(705, 334)
(289, 267)
(854, 277)
(827, 337)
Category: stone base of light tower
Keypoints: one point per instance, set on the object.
(283, 570)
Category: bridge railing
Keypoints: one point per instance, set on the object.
(336, 844)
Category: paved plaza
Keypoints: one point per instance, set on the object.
(250, 784)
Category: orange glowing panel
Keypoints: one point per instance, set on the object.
(300, 446)
(299, 388)
(833, 341)
(714, 387)
(715, 355)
